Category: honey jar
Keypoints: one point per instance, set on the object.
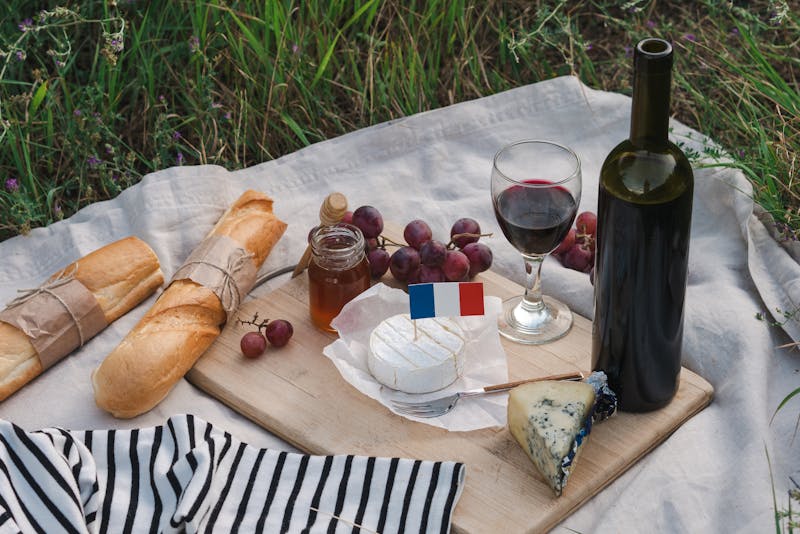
(338, 271)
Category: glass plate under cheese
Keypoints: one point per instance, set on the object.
(431, 361)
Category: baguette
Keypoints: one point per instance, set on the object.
(119, 275)
(183, 323)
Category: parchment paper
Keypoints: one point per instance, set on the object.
(223, 266)
(58, 318)
(484, 365)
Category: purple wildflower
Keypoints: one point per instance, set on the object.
(194, 44)
(774, 18)
(179, 158)
(93, 160)
(176, 135)
(227, 116)
(21, 55)
(650, 24)
(628, 51)
(690, 37)
(115, 178)
(77, 113)
(161, 98)
(295, 48)
(25, 25)
(735, 32)
(12, 185)
(588, 47)
(117, 45)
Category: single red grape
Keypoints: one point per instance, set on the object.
(579, 258)
(347, 217)
(480, 257)
(279, 332)
(416, 233)
(566, 244)
(379, 260)
(413, 276)
(253, 344)
(465, 226)
(456, 266)
(368, 220)
(371, 243)
(431, 274)
(432, 253)
(404, 261)
(586, 223)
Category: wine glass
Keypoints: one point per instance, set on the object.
(536, 190)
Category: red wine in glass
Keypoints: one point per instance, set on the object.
(536, 191)
(535, 219)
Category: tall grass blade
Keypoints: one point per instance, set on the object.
(38, 97)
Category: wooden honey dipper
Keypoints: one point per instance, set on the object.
(331, 212)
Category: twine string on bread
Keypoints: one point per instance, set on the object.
(48, 288)
(228, 286)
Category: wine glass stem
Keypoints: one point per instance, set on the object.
(532, 301)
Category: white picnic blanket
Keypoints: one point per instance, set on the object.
(712, 474)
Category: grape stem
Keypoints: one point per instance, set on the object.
(259, 325)
(451, 245)
(587, 238)
(385, 240)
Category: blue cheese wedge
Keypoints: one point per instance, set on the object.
(551, 420)
(432, 360)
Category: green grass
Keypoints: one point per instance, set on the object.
(96, 94)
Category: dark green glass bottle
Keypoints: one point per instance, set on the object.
(643, 220)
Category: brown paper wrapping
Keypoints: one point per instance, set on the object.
(58, 317)
(223, 266)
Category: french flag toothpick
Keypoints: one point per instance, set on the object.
(446, 299)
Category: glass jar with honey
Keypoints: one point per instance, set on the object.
(337, 273)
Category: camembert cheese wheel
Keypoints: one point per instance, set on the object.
(432, 360)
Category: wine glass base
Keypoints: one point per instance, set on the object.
(536, 327)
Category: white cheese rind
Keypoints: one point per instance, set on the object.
(432, 361)
(551, 420)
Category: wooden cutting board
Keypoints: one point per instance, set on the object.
(296, 393)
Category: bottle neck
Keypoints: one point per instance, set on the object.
(651, 94)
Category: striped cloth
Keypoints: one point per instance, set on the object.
(186, 476)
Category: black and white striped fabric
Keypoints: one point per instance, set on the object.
(187, 476)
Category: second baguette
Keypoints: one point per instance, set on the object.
(182, 323)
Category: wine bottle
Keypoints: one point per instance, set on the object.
(643, 223)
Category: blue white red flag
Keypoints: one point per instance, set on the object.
(446, 299)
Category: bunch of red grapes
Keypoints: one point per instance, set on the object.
(577, 250)
(422, 258)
